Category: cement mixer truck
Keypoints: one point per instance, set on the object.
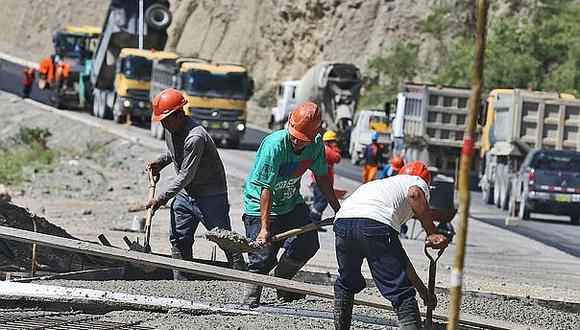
(335, 86)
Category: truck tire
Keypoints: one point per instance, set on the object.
(505, 194)
(158, 17)
(497, 185)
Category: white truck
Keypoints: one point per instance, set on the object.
(429, 125)
(285, 103)
(516, 122)
(367, 122)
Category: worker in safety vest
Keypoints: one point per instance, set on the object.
(27, 82)
(46, 71)
(372, 156)
(332, 152)
(272, 199)
(367, 226)
(199, 190)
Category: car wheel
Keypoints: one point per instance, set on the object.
(575, 219)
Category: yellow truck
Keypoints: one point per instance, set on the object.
(133, 82)
(217, 94)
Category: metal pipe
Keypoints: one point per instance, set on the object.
(466, 161)
(140, 24)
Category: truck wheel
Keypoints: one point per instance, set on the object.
(158, 17)
(233, 143)
(524, 213)
(487, 194)
(575, 219)
(119, 119)
(505, 195)
(497, 186)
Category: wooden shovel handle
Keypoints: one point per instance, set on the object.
(152, 184)
(302, 230)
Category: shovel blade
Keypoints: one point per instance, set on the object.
(231, 241)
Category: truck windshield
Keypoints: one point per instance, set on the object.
(72, 45)
(225, 85)
(379, 123)
(556, 162)
(136, 67)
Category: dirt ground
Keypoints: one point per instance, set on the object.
(97, 184)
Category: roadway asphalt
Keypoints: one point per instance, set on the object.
(557, 232)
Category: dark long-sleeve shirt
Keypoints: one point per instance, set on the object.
(200, 170)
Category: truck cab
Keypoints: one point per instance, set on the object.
(217, 94)
(133, 82)
(285, 103)
(366, 122)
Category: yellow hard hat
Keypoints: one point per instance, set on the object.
(329, 136)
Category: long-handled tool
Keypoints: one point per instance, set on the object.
(232, 241)
(152, 184)
(431, 287)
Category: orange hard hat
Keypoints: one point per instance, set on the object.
(397, 163)
(167, 102)
(417, 168)
(305, 121)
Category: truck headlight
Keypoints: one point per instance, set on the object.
(226, 125)
(126, 103)
(240, 127)
(141, 104)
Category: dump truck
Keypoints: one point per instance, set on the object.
(216, 93)
(66, 72)
(121, 30)
(285, 103)
(133, 83)
(515, 122)
(429, 125)
(335, 86)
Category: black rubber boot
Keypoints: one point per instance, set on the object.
(287, 268)
(252, 295)
(408, 315)
(236, 260)
(182, 252)
(343, 310)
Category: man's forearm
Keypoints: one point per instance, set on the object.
(265, 208)
(415, 280)
(328, 192)
(420, 208)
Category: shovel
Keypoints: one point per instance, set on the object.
(152, 184)
(231, 241)
(431, 287)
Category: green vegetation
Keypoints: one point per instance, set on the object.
(35, 151)
(541, 51)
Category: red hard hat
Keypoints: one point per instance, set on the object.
(418, 169)
(166, 102)
(397, 163)
(305, 121)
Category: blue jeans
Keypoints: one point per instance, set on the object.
(360, 238)
(187, 212)
(298, 248)
(319, 204)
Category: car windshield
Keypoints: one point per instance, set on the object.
(556, 162)
(228, 85)
(136, 67)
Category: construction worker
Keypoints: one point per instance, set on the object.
(332, 152)
(372, 157)
(367, 227)
(27, 82)
(200, 188)
(272, 200)
(46, 72)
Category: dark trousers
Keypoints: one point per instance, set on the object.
(187, 212)
(298, 248)
(26, 90)
(318, 205)
(359, 239)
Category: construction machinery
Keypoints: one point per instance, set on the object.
(285, 103)
(133, 82)
(429, 125)
(66, 72)
(335, 86)
(217, 94)
(516, 121)
(121, 29)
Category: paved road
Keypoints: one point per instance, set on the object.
(555, 232)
